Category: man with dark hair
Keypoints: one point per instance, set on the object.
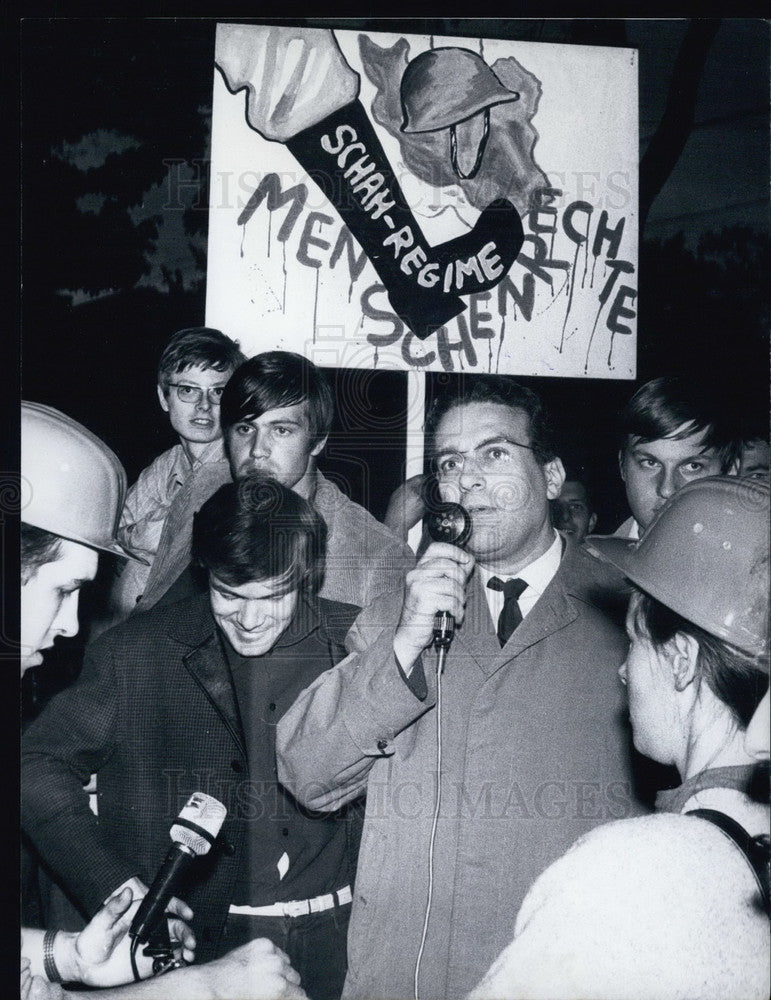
(38, 547)
(76, 488)
(573, 510)
(192, 373)
(754, 461)
(186, 698)
(480, 774)
(279, 379)
(673, 431)
(276, 414)
(499, 390)
(276, 419)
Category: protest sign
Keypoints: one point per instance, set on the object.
(402, 202)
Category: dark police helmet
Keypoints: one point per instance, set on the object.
(445, 86)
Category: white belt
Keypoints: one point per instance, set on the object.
(296, 907)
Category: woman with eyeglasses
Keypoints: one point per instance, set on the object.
(193, 371)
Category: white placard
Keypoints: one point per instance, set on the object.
(559, 159)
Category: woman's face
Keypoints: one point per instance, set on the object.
(647, 674)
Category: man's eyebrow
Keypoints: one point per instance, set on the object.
(227, 592)
(497, 439)
(197, 385)
(275, 420)
(446, 451)
(640, 449)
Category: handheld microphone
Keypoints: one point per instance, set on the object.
(447, 522)
(192, 836)
(451, 523)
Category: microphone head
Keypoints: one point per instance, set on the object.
(198, 824)
(448, 522)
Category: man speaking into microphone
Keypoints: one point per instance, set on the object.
(480, 775)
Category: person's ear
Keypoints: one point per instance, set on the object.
(555, 477)
(621, 463)
(684, 655)
(162, 399)
(591, 523)
(319, 446)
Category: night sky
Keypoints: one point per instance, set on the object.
(115, 129)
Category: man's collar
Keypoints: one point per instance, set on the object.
(191, 620)
(628, 529)
(183, 465)
(213, 452)
(536, 574)
(304, 621)
(324, 495)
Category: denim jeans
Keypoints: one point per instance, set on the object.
(315, 944)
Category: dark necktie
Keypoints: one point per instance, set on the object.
(511, 615)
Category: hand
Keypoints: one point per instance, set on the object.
(100, 954)
(255, 56)
(181, 915)
(438, 583)
(257, 970)
(26, 979)
(406, 506)
(37, 988)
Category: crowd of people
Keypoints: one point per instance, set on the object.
(407, 815)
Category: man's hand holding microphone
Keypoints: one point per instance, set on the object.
(436, 586)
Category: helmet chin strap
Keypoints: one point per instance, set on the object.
(480, 148)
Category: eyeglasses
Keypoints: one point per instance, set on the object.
(193, 394)
(490, 457)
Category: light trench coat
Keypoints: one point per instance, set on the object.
(535, 752)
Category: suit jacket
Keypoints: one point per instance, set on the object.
(535, 752)
(154, 714)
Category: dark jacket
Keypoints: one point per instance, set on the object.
(154, 715)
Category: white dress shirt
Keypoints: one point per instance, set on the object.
(537, 576)
(629, 529)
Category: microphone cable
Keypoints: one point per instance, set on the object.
(133, 955)
(442, 653)
(451, 523)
